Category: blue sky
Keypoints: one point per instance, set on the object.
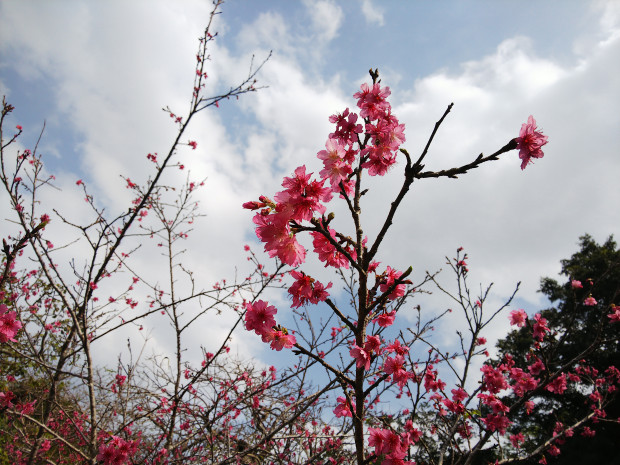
(99, 74)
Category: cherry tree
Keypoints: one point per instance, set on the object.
(458, 425)
(349, 357)
(197, 404)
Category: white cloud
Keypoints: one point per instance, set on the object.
(372, 13)
(269, 31)
(610, 14)
(326, 18)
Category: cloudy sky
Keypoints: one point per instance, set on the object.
(98, 74)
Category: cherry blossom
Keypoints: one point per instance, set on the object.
(518, 318)
(9, 325)
(590, 301)
(530, 142)
(259, 317)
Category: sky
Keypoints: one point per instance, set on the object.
(99, 73)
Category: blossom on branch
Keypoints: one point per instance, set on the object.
(259, 317)
(590, 301)
(342, 409)
(8, 324)
(614, 316)
(518, 318)
(307, 290)
(530, 142)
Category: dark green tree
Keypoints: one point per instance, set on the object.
(581, 332)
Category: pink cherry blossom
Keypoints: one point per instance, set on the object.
(259, 317)
(342, 409)
(493, 380)
(373, 345)
(590, 301)
(389, 278)
(558, 385)
(522, 381)
(336, 166)
(274, 230)
(530, 142)
(372, 101)
(540, 327)
(387, 132)
(307, 290)
(495, 422)
(328, 253)
(385, 319)
(615, 315)
(347, 127)
(518, 318)
(396, 367)
(397, 347)
(459, 395)
(388, 443)
(302, 197)
(516, 439)
(281, 340)
(576, 284)
(361, 356)
(377, 439)
(379, 160)
(6, 399)
(8, 324)
(537, 367)
(117, 452)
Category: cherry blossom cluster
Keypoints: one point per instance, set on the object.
(369, 141)
(303, 197)
(117, 452)
(393, 447)
(9, 325)
(259, 317)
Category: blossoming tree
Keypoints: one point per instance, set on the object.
(196, 405)
(458, 423)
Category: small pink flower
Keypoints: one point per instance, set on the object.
(530, 142)
(8, 324)
(193, 144)
(260, 317)
(558, 385)
(342, 409)
(19, 128)
(518, 318)
(361, 357)
(517, 439)
(615, 315)
(459, 395)
(540, 327)
(281, 340)
(576, 284)
(590, 301)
